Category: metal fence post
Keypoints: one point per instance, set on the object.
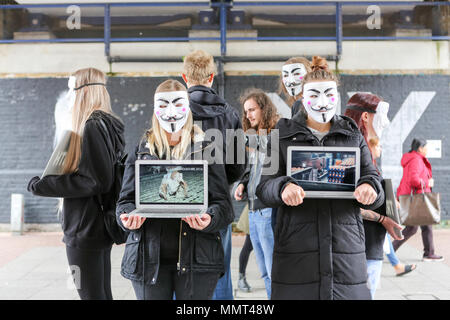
(223, 29)
(338, 30)
(107, 30)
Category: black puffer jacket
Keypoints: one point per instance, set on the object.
(198, 251)
(82, 218)
(215, 113)
(319, 250)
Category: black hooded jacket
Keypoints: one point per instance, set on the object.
(82, 218)
(215, 113)
(319, 250)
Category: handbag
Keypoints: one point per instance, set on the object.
(420, 209)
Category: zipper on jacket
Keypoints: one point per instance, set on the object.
(179, 247)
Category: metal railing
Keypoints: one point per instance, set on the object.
(223, 8)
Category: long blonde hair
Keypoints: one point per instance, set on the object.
(88, 99)
(156, 137)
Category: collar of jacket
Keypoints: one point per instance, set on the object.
(339, 125)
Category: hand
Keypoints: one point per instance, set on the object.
(431, 182)
(132, 222)
(238, 193)
(390, 226)
(198, 222)
(31, 183)
(365, 194)
(293, 195)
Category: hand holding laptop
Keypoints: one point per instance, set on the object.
(198, 222)
(365, 194)
(132, 221)
(293, 195)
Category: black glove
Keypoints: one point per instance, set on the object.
(32, 182)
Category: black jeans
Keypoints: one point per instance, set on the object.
(427, 238)
(244, 255)
(169, 282)
(91, 270)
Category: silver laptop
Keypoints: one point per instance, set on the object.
(171, 188)
(325, 172)
(56, 162)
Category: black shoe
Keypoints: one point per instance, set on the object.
(243, 284)
(433, 257)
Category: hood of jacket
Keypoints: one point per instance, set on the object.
(205, 103)
(115, 127)
(409, 156)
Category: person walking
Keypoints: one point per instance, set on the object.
(88, 173)
(417, 174)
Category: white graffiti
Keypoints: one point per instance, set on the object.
(373, 21)
(74, 20)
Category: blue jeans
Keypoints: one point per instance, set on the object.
(261, 234)
(392, 257)
(224, 288)
(373, 275)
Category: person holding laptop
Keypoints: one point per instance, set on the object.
(319, 242)
(87, 174)
(164, 256)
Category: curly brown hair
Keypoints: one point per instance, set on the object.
(269, 117)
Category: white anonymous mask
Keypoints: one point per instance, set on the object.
(171, 110)
(380, 119)
(321, 100)
(292, 75)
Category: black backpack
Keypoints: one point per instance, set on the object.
(108, 201)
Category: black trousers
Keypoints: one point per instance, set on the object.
(169, 282)
(91, 271)
(245, 253)
(427, 238)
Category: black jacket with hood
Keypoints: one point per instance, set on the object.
(215, 113)
(195, 250)
(319, 250)
(82, 217)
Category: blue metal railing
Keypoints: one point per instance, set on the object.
(223, 7)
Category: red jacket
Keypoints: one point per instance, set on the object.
(416, 169)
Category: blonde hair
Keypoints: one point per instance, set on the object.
(157, 138)
(198, 67)
(320, 71)
(88, 99)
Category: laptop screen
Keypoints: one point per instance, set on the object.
(171, 184)
(324, 170)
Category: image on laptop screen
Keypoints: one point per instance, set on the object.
(171, 184)
(324, 171)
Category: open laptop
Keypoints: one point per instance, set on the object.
(56, 162)
(171, 188)
(325, 172)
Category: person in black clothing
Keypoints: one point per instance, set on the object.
(167, 256)
(370, 113)
(293, 72)
(87, 174)
(215, 114)
(319, 243)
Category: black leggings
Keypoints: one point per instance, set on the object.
(91, 270)
(245, 253)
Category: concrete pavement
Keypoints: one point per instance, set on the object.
(34, 266)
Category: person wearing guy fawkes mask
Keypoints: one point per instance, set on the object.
(167, 256)
(319, 243)
(293, 72)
